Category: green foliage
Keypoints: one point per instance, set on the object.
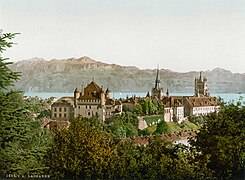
(7, 77)
(158, 160)
(137, 109)
(154, 118)
(151, 106)
(144, 132)
(198, 120)
(38, 106)
(23, 143)
(122, 126)
(162, 128)
(220, 141)
(82, 151)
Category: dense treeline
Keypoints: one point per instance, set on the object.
(85, 150)
(91, 150)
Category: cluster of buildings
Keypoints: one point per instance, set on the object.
(178, 108)
(94, 101)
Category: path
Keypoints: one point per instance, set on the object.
(142, 123)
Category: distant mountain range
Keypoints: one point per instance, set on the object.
(39, 75)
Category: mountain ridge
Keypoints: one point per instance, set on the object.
(63, 75)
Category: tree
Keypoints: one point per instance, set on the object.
(137, 109)
(7, 77)
(22, 142)
(162, 128)
(81, 151)
(220, 141)
(125, 125)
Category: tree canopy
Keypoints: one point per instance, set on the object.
(23, 143)
(220, 142)
(83, 150)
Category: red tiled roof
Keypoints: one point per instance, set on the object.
(132, 100)
(91, 92)
(64, 101)
(202, 101)
(92, 87)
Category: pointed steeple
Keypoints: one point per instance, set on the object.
(76, 90)
(200, 78)
(157, 81)
(167, 93)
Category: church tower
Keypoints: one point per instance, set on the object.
(201, 88)
(157, 91)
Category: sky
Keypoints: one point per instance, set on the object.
(180, 35)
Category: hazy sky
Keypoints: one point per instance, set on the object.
(181, 35)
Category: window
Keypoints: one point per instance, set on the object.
(64, 109)
(64, 115)
(88, 113)
(89, 107)
(55, 109)
(86, 107)
(60, 115)
(55, 115)
(60, 109)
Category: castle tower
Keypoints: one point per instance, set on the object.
(201, 88)
(108, 93)
(76, 96)
(157, 91)
(102, 97)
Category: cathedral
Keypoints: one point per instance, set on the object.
(201, 88)
(157, 90)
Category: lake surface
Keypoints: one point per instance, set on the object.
(117, 95)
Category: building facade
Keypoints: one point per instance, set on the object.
(201, 87)
(63, 109)
(173, 109)
(90, 101)
(198, 106)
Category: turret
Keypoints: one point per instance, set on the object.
(102, 97)
(167, 93)
(108, 93)
(76, 96)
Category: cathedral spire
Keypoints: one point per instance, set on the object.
(200, 78)
(157, 81)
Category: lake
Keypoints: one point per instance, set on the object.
(117, 95)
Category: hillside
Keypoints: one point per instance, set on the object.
(39, 75)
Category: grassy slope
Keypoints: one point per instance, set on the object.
(171, 126)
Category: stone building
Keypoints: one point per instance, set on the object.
(201, 88)
(63, 109)
(173, 108)
(197, 106)
(130, 102)
(90, 101)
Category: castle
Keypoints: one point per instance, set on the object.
(90, 101)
